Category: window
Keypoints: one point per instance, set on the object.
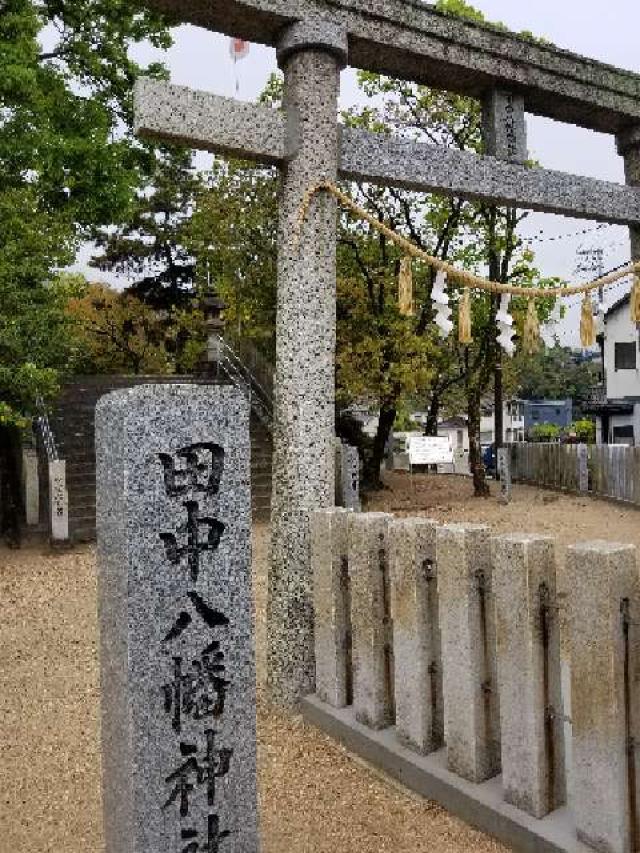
(625, 356)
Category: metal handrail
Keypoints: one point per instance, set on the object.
(46, 433)
(259, 398)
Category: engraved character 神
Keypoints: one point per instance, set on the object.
(214, 837)
(215, 765)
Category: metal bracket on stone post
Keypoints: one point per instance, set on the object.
(504, 473)
(311, 53)
(604, 616)
(58, 501)
(332, 629)
(528, 652)
(416, 634)
(371, 626)
(468, 635)
(176, 620)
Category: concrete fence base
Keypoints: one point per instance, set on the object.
(451, 639)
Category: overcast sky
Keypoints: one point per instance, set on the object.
(605, 31)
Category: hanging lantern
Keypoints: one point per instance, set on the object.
(464, 318)
(587, 323)
(532, 329)
(405, 287)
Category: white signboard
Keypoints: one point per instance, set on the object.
(429, 450)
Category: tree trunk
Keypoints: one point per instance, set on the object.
(480, 486)
(372, 466)
(10, 486)
(431, 426)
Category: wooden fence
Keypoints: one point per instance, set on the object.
(613, 470)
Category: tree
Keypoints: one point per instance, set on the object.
(474, 236)
(233, 236)
(556, 373)
(119, 333)
(149, 246)
(68, 161)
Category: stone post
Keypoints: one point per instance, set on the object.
(628, 143)
(311, 53)
(347, 476)
(31, 486)
(329, 563)
(416, 634)
(636, 425)
(58, 501)
(503, 464)
(471, 702)
(371, 618)
(528, 651)
(582, 462)
(603, 579)
(176, 620)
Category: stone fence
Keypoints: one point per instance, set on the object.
(439, 658)
(605, 470)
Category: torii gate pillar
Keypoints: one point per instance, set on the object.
(311, 54)
(628, 143)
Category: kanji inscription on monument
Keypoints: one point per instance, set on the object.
(176, 624)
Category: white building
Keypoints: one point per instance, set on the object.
(617, 404)
(512, 424)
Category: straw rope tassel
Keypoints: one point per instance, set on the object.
(587, 324)
(635, 301)
(405, 287)
(532, 329)
(462, 277)
(464, 318)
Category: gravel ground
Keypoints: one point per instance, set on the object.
(315, 797)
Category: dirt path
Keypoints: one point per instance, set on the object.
(315, 798)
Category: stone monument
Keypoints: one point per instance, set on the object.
(176, 623)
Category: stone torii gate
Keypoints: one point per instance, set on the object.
(314, 40)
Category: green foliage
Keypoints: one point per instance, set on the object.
(233, 236)
(544, 432)
(68, 163)
(118, 333)
(555, 373)
(36, 343)
(149, 245)
(404, 422)
(585, 431)
(461, 9)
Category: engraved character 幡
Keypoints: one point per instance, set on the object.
(200, 691)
